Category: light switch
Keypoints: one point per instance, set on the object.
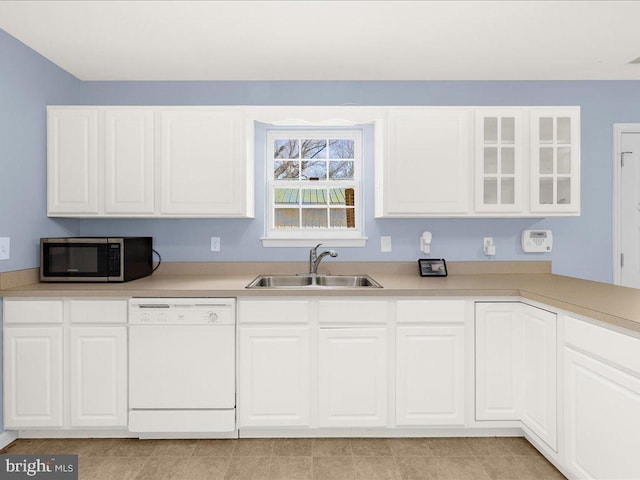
(215, 244)
(5, 248)
(385, 244)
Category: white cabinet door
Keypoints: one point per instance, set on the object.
(274, 375)
(498, 361)
(98, 363)
(428, 163)
(430, 375)
(539, 373)
(202, 169)
(555, 160)
(352, 377)
(72, 161)
(33, 388)
(601, 419)
(128, 161)
(499, 161)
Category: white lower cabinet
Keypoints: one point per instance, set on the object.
(274, 376)
(516, 367)
(33, 377)
(352, 379)
(38, 382)
(98, 380)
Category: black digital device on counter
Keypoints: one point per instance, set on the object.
(432, 267)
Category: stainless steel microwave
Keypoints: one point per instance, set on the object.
(95, 259)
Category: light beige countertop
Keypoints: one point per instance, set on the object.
(612, 304)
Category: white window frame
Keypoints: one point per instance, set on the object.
(305, 237)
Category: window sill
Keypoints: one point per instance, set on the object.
(312, 242)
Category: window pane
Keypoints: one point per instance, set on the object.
(286, 148)
(340, 148)
(546, 191)
(546, 160)
(314, 218)
(507, 161)
(314, 169)
(341, 170)
(564, 159)
(342, 218)
(546, 130)
(564, 130)
(286, 218)
(490, 130)
(290, 196)
(490, 160)
(313, 196)
(286, 170)
(564, 190)
(508, 130)
(507, 191)
(490, 191)
(314, 148)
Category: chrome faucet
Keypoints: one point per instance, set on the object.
(315, 259)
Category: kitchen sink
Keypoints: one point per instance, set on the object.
(314, 281)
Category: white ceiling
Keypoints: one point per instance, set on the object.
(332, 40)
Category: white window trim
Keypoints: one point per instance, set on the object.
(299, 237)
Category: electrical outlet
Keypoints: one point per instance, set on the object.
(385, 244)
(215, 244)
(488, 247)
(5, 248)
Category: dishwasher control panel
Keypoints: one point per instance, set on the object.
(182, 311)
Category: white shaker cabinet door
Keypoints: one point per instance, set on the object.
(98, 366)
(539, 364)
(427, 168)
(601, 419)
(128, 161)
(202, 169)
(352, 377)
(33, 388)
(274, 375)
(72, 165)
(498, 361)
(430, 375)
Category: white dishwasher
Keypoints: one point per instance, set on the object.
(182, 365)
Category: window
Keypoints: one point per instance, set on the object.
(314, 192)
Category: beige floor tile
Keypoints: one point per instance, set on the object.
(162, 468)
(376, 468)
(506, 467)
(463, 468)
(415, 447)
(98, 447)
(420, 468)
(541, 469)
(121, 468)
(248, 468)
(89, 467)
(205, 468)
(484, 446)
(370, 446)
(331, 447)
(25, 446)
(291, 468)
(174, 448)
(65, 446)
(449, 447)
(297, 447)
(518, 446)
(333, 468)
(253, 447)
(214, 448)
(132, 447)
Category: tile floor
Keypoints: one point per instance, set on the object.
(300, 459)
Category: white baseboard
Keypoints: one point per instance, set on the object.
(7, 437)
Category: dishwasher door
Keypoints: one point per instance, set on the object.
(182, 367)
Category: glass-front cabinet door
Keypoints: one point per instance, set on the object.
(555, 160)
(499, 154)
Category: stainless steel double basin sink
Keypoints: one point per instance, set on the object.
(314, 281)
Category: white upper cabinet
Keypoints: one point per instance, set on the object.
(555, 160)
(201, 162)
(149, 162)
(427, 163)
(499, 172)
(128, 161)
(72, 166)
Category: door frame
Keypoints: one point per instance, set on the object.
(618, 130)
